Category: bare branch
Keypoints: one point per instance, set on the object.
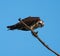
(36, 36)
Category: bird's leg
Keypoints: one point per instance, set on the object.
(32, 27)
(34, 32)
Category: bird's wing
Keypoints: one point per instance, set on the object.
(30, 20)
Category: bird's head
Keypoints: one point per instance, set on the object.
(40, 23)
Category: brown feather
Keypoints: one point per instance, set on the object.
(29, 21)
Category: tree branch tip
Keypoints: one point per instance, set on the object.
(19, 19)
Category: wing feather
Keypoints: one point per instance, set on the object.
(29, 21)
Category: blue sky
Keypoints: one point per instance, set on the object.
(20, 43)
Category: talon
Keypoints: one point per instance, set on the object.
(36, 32)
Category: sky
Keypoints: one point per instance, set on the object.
(21, 43)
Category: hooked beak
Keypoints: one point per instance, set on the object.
(41, 23)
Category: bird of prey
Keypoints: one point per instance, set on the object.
(32, 22)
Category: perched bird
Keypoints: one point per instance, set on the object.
(32, 22)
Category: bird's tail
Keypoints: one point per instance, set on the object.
(11, 27)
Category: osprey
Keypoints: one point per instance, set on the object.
(32, 22)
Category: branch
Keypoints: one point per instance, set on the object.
(36, 36)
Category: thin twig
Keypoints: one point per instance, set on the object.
(40, 39)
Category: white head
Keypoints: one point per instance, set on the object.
(40, 23)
